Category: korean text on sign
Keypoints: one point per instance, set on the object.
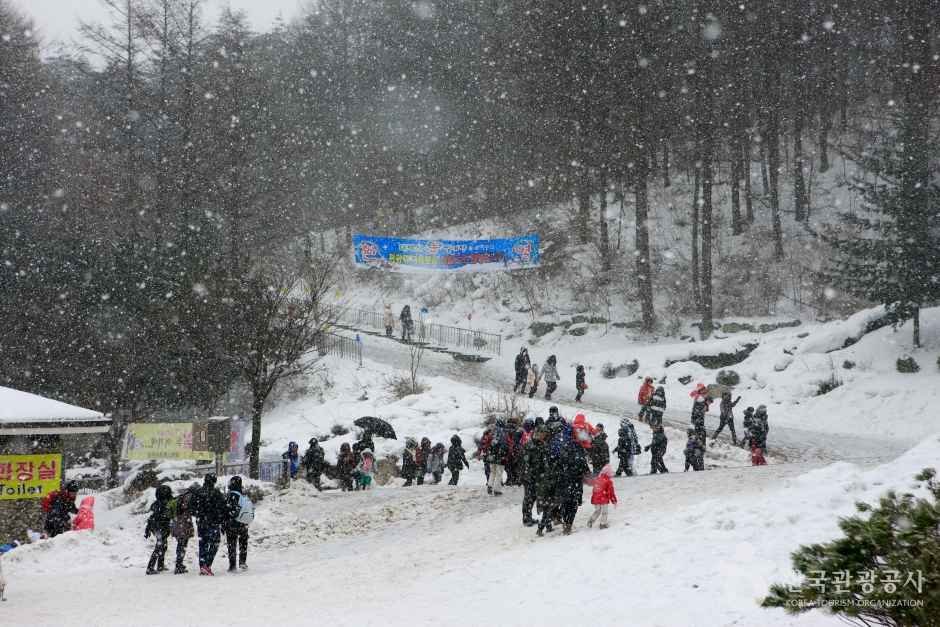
(29, 476)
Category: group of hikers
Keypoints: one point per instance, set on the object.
(214, 514)
(652, 401)
(528, 375)
(354, 469)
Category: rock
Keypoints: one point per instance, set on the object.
(577, 330)
(539, 329)
(907, 365)
(848, 364)
(687, 379)
(728, 378)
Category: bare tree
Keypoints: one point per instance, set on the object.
(276, 317)
(417, 353)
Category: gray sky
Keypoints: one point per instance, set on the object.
(57, 20)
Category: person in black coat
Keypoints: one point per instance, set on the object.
(211, 512)
(456, 459)
(313, 461)
(579, 383)
(422, 455)
(727, 416)
(158, 525)
(236, 533)
(533, 470)
(409, 469)
(572, 469)
(407, 323)
(522, 370)
(600, 450)
(657, 407)
(345, 464)
(658, 449)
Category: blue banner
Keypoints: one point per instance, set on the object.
(415, 255)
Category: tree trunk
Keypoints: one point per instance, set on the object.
(825, 125)
(605, 238)
(666, 181)
(745, 149)
(115, 442)
(696, 286)
(917, 327)
(644, 269)
(773, 165)
(736, 226)
(257, 409)
(584, 206)
(800, 201)
(765, 181)
(708, 150)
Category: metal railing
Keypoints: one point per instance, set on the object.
(276, 471)
(430, 332)
(340, 346)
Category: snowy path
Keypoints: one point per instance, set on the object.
(788, 443)
(430, 556)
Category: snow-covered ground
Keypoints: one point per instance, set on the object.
(683, 549)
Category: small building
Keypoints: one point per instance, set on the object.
(36, 434)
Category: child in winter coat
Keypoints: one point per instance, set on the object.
(643, 398)
(409, 469)
(533, 379)
(456, 459)
(292, 455)
(345, 463)
(85, 519)
(757, 455)
(365, 470)
(436, 462)
(628, 447)
(388, 319)
(657, 407)
(236, 533)
(550, 374)
(658, 448)
(694, 457)
(602, 496)
(422, 455)
(158, 524)
(727, 416)
(579, 383)
(183, 528)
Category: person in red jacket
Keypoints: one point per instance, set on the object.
(602, 496)
(643, 398)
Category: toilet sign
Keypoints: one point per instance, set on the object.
(29, 476)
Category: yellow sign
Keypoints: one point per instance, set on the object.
(170, 440)
(29, 476)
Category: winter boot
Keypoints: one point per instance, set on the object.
(180, 570)
(603, 526)
(153, 571)
(152, 566)
(567, 530)
(205, 570)
(590, 522)
(244, 566)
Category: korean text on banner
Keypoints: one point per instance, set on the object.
(29, 476)
(147, 441)
(416, 255)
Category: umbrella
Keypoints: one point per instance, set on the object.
(376, 426)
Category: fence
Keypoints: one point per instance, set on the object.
(340, 346)
(428, 331)
(275, 471)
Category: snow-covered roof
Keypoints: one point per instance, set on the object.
(18, 408)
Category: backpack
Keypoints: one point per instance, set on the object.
(246, 509)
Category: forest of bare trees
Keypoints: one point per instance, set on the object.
(148, 176)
